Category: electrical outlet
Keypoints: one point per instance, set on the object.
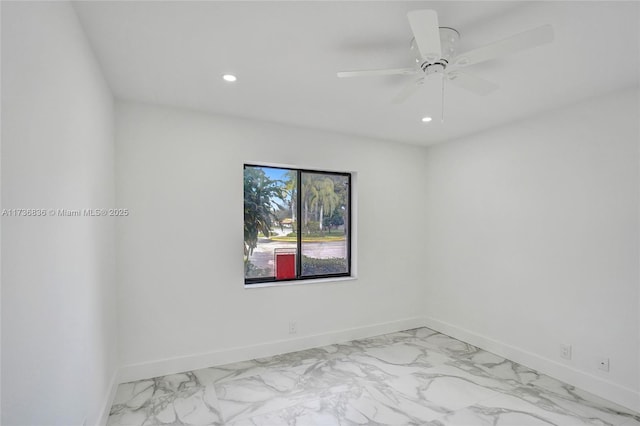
(565, 351)
(293, 327)
(603, 364)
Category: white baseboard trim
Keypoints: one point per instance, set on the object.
(162, 367)
(605, 389)
(103, 416)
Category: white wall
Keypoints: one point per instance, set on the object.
(180, 266)
(58, 294)
(532, 241)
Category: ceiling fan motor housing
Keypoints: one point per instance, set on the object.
(437, 67)
(448, 39)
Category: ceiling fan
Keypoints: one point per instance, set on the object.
(434, 48)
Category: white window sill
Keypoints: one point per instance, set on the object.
(300, 282)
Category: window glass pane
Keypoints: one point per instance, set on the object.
(270, 244)
(325, 204)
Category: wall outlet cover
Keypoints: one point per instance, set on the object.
(565, 351)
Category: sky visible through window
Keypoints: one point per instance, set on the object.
(275, 174)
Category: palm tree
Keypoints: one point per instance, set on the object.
(260, 193)
(290, 186)
(323, 195)
(341, 187)
(308, 194)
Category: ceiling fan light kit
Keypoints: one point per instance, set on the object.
(434, 50)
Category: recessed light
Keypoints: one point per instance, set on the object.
(229, 77)
(426, 119)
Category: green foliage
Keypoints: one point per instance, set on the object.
(320, 197)
(312, 227)
(313, 266)
(252, 271)
(260, 193)
(334, 220)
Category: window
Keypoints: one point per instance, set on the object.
(296, 224)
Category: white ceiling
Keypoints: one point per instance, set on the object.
(286, 55)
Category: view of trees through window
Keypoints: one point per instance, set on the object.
(288, 212)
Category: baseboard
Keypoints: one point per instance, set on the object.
(605, 389)
(103, 416)
(162, 367)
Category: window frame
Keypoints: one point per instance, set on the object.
(348, 221)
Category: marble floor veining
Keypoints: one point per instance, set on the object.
(414, 377)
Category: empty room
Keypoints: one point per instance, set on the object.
(320, 213)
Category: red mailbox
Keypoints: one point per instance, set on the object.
(285, 263)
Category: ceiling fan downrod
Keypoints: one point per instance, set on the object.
(442, 102)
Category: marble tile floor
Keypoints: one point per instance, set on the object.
(414, 377)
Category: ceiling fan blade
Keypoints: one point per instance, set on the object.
(424, 25)
(390, 71)
(408, 90)
(522, 41)
(472, 83)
